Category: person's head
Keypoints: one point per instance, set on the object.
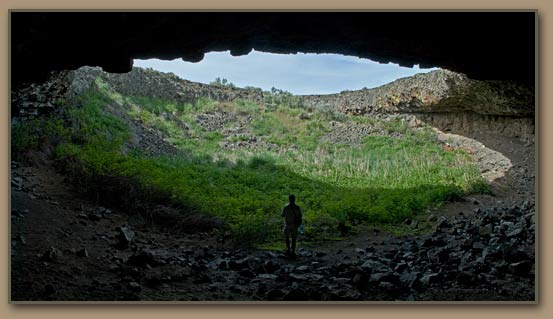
(292, 199)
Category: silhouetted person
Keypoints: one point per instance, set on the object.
(292, 220)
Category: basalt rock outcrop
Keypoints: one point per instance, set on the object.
(434, 92)
(447, 100)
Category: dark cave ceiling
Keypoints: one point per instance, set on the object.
(483, 45)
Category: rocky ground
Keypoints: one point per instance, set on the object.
(66, 247)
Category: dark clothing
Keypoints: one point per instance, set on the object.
(292, 220)
(292, 215)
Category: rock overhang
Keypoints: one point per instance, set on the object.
(483, 45)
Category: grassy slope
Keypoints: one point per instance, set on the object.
(384, 181)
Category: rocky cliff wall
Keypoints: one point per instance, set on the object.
(474, 125)
(447, 100)
(444, 99)
(434, 92)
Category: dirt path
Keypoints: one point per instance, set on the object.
(65, 247)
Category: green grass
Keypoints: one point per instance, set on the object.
(382, 182)
(245, 106)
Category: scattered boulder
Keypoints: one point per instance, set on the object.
(21, 239)
(515, 233)
(17, 182)
(267, 276)
(202, 278)
(51, 255)
(134, 286)
(124, 237)
(385, 277)
(411, 279)
(466, 278)
(441, 224)
(239, 264)
(485, 230)
(430, 279)
(82, 252)
(271, 266)
(144, 258)
(521, 269)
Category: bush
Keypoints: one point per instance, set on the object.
(37, 134)
(205, 104)
(246, 106)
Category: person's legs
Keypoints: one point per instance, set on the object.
(294, 234)
(288, 243)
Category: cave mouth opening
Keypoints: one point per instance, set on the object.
(299, 74)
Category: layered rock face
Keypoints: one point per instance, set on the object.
(434, 92)
(472, 124)
(445, 99)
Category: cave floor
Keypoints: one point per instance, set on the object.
(62, 249)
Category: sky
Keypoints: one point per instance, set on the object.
(297, 73)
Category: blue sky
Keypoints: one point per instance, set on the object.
(298, 73)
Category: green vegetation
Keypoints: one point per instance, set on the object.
(222, 82)
(34, 134)
(277, 97)
(381, 182)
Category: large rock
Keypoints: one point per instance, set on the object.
(125, 237)
(144, 258)
(240, 264)
(431, 279)
(411, 279)
(392, 278)
(522, 268)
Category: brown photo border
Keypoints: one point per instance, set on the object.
(420, 309)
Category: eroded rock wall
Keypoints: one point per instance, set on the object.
(447, 100)
(474, 125)
(444, 99)
(436, 91)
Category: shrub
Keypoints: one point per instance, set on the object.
(246, 106)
